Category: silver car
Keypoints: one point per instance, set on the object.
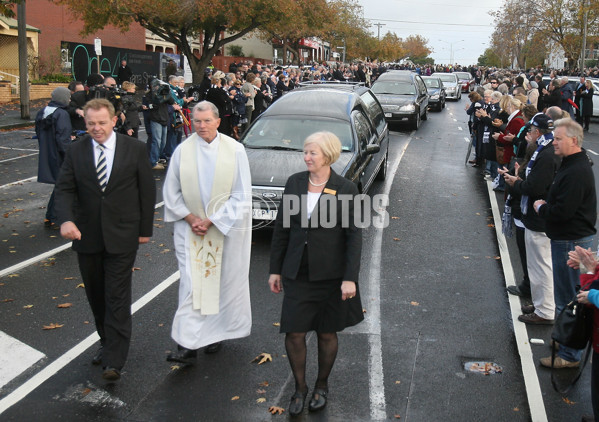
(452, 85)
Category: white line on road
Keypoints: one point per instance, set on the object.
(529, 372)
(62, 361)
(20, 149)
(16, 158)
(10, 348)
(460, 128)
(592, 152)
(373, 317)
(29, 179)
(45, 255)
(466, 139)
(455, 120)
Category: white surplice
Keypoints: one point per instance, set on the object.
(191, 329)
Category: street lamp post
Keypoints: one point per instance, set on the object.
(451, 49)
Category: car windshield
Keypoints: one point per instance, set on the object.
(289, 132)
(447, 77)
(463, 75)
(393, 87)
(432, 83)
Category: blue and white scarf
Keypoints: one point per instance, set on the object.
(542, 142)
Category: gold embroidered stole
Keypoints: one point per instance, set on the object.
(206, 251)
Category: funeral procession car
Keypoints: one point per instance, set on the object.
(274, 142)
(403, 95)
(436, 92)
(453, 89)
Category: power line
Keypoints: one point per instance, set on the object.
(426, 23)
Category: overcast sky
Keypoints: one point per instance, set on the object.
(463, 26)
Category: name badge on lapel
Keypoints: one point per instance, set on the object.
(331, 191)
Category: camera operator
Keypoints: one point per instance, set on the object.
(79, 99)
(159, 98)
(131, 109)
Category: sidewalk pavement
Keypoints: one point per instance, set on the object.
(10, 114)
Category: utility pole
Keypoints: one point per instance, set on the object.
(379, 29)
(23, 68)
(584, 36)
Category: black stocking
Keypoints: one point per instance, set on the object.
(327, 352)
(295, 344)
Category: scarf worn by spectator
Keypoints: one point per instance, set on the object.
(542, 142)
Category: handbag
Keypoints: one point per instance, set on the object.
(572, 328)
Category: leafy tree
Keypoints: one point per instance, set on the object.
(7, 8)
(214, 23)
(235, 50)
(391, 48)
(416, 47)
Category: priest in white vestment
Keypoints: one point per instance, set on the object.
(207, 194)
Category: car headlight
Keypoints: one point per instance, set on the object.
(389, 108)
(450, 89)
(435, 97)
(408, 107)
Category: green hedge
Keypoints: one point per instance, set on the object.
(58, 77)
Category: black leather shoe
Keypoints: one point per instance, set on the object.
(111, 374)
(296, 405)
(97, 359)
(318, 400)
(213, 348)
(183, 355)
(516, 291)
(528, 309)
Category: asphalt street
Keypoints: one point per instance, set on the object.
(433, 289)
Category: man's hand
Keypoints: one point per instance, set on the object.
(537, 204)
(69, 231)
(510, 180)
(130, 132)
(495, 135)
(144, 239)
(198, 226)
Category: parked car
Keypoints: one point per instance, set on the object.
(274, 141)
(436, 92)
(466, 80)
(403, 95)
(451, 83)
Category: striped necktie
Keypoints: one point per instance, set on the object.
(101, 168)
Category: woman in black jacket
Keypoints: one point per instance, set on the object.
(315, 260)
(586, 105)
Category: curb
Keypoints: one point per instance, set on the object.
(17, 125)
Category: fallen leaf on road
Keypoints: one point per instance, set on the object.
(261, 400)
(69, 278)
(414, 303)
(497, 257)
(260, 391)
(363, 310)
(13, 275)
(80, 285)
(466, 257)
(234, 398)
(64, 305)
(175, 367)
(276, 410)
(396, 238)
(67, 295)
(263, 357)
(397, 416)
(32, 236)
(52, 326)
(135, 269)
(264, 384)
(165, 251)
(490, 225)
(397, 382)
(276, 324)
(394, 218)
(516, 409)
(86, 391)
(8, 300)
(27, 306)
(568, 401)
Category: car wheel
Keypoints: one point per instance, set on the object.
(417, 121)
(382, 174)
(195, 94)
(425, 115)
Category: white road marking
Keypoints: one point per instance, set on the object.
(466, 139)
(460, 128)
(17, 158)
(29, 179)
(373, 317)
(20, 149)
(62, 361)
(529, 372)
(10, 348)
(455, 120)
(592, 152)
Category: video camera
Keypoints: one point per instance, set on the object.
(161, 91)
(114, 95)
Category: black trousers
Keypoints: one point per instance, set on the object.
(595, 384)
(107, 279)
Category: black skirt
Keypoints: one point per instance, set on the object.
(317, 305)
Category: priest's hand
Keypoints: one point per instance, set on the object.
(274, 281)
(202, 227)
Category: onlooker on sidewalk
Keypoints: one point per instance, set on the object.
(570, 213)
(53, 130)
(539, 175)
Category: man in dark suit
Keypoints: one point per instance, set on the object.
(105, 205)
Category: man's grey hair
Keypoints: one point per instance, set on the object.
(181, 78)
(573, 129)
(496, 95)
(555, 113)
(206, 106)
(172, 79)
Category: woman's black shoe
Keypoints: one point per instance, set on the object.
(296, 405)
(318, 400)
(183, 355)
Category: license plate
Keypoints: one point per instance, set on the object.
(387, 114)
(260, 214)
